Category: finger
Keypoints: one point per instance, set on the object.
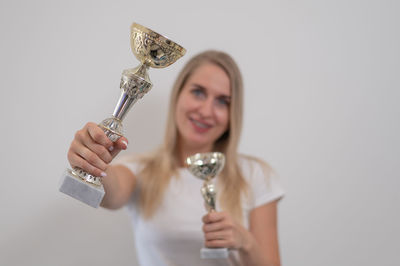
(98, 135)
(90, 157)
(121, 143)
(77, 161)
(213, 217)
(83, 139)
(217, 244)
(213, 227)
(83, 136)
(100, 151)
(218, 235)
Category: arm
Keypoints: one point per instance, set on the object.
(262, 246)
(118, 185)
(257, 246)
(92, 151)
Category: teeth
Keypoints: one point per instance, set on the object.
(200, 124)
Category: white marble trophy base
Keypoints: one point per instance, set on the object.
(77, 188)
(214, 253)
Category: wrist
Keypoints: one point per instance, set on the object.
(248, 242)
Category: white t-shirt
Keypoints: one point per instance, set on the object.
(173, 235)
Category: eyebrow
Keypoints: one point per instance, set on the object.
(199, 86)
(226, 97)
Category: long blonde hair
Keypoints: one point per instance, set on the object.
(160, 166)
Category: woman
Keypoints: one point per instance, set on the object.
(169, 221)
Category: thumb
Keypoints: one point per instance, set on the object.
(120, 144)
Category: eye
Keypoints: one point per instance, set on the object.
(198, 93)
(223, 101)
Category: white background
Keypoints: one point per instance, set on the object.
(322, 92)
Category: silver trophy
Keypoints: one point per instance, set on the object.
(152, 50)
(207, 166)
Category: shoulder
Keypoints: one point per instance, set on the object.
(133, 162)
(251, 165)
(262, 180)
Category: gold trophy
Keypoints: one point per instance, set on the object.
(152, 50)
(207, 166)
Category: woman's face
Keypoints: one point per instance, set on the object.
(202, 111)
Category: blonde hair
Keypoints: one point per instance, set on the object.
(160, 166)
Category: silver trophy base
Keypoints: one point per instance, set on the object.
(214, 253)
(77, 188)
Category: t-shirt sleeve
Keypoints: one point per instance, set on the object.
(265, 186)
(126, 161)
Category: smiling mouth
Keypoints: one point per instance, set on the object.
(200, 124)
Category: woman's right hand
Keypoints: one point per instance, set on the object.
(92, 151)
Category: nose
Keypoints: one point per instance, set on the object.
(207, 108)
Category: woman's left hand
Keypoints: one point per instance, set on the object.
(221, 231)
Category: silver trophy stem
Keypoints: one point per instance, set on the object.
(123, 106)
(209, 194)
(135, 83)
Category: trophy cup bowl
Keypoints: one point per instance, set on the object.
(152, 50)
(207, 166)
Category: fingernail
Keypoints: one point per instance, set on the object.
(103, 174)
(125, 143)
(111, 148)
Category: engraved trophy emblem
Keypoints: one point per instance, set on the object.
(152, 50)
(207, 166)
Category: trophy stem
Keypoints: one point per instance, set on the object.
(141, 71)
(135, 83)
(209, 194)
(125, 103)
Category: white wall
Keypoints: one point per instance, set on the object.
(321, 107)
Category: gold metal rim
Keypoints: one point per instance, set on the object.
(164, 40)
(196, 156)
(96, 184)
(113, 131)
